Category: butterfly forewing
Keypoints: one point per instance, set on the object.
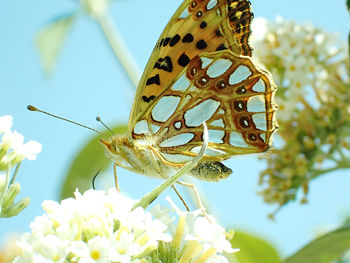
(197, 26)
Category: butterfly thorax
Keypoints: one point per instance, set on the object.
(139, 155)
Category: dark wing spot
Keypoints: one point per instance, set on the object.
(188, 38)
(221, 85)
(183, 60)
(201, 44)
(221, 47)
(252, 137)
(145, 99)
(161, 42)
(166, 41)
(153, 80)
(218, 33)
(241, 90)
(203, 25)
(245, 122)
(239, 105)
(174, 40)
(164, 64)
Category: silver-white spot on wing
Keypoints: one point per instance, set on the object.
(177, 140)
(205, 62)
(178, 125)
(176, 158)
(202, 112)
(155, 128)
(240, 74)
(182, 83)
(259, 86)
(221, 111)
(184, 14)
(256, 104)
(219, 67)
(165, 107)
(237, 140)
(263, 136)
(259, 120)
(141, 127)
(208, 151)
(216, 136)
(218, 123)
(212, 4)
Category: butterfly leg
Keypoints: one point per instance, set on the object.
(115, 176)
(131, 169)
(162, 158)
(197, 197)
(182, 200)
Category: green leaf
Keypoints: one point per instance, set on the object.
(324, 249)
(49, 41)
(88, 162)
(252, 250)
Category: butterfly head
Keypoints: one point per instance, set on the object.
(114, 144)
(110, 145)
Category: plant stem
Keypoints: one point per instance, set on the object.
(343, 164)
(120, 48)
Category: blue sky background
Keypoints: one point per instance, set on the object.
(88, 81)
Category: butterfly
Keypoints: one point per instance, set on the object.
(200, 70)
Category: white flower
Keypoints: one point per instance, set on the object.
(208, 233)
(29, 150)
(5, 123)
(204, 237)
(96, 226)
(103, 227)
(14, 141)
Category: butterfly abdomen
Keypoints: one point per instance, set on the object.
(211, 171)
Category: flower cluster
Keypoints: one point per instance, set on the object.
(12, 153)
(311, 69)
(101, 226)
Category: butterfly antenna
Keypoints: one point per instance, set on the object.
(32, 108)
(94, 179)
(100, 121)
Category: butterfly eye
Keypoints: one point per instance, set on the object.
(193, 4)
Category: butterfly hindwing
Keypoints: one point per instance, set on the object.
(230, 93)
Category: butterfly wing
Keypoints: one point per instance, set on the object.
(197, 26)
(200, 70)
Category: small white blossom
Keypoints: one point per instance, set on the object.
(206, 233)
(5, 123)
(12, 152)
